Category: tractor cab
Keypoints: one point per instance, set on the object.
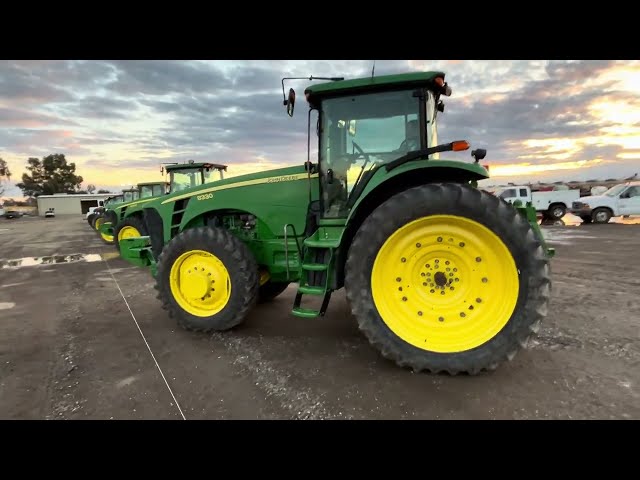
(365, 125)
(130, 195)
(152, 189)
(191, 174)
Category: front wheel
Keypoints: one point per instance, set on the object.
(130, 227)
(444, 277)
(601, 215)
(207, 279)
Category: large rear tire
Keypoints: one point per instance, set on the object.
(207, 279)
(444, 277)
(271, 290)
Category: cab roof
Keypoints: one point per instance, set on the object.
(383, 82)
(151, 183)
(183, 166)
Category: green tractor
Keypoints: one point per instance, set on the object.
(440, 275)
(125, 220)
(128, 195)
(91, 218)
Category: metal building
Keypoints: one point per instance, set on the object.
(70, 204)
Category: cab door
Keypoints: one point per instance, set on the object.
(629, 201)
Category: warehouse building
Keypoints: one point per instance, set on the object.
(70, 204)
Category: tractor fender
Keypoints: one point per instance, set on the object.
(383, 185)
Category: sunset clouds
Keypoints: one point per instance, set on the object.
(118, 120)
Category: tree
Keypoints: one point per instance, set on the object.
(91, 188)
(51, 175)
(4, 173)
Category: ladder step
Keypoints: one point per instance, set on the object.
(305, 312)
(309, 242)
(308, 290)
(315, 267)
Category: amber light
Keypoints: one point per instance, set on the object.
(460, 146)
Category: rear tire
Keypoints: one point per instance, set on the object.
(271, 290)
(556, 211)
(215, 279)
(511, 276)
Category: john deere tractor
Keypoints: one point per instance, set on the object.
(440, 275)
(128, 195)
(125, 220)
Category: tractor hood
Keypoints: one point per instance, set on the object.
(269, 176)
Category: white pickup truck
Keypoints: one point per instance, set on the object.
(552, 204)
(620, 200)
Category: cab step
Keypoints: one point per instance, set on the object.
(315, 267)
(310, 290)
(321, 243)
(305, 312)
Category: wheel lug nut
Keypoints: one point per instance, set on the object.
(418, 245)
(404, 299)
(439, 239)
(400, 288)
(441, 319)
(478, 300)
(461, 244)
(432, 291)
(442, 292)
(398, 279)
(419, 314)
(424, 283)
(403, 259)
(427, 265)
(451, 288)
(447, 262)
(455, 269)
(457, 280)
(470, 307)
(478, 259)
(462, 314)
(485, 280)
(422, 274)
(437, 260)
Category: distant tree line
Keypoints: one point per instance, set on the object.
(47, 176)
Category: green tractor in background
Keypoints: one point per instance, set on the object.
(125, 220)
(128, 195)
(440, 275)
(100, 210)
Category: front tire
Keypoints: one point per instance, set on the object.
(207, 279)
(601, 215)
(130, 227)
(444, 277)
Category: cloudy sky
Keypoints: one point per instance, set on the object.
(119, 120)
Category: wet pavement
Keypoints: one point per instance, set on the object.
(83, 337)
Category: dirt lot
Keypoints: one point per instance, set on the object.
(70, 348)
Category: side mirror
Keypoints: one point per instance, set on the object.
(290, 102)
(352, 128)
(478, 154)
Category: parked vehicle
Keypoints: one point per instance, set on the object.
(13, 214)
(552, 204)
(50, 213)
(619, 201)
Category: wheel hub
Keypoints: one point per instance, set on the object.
(200, 283)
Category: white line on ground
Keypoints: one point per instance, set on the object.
(145, 340)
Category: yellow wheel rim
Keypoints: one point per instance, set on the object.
(106, 238)
(445, 283)
(200, 283)
(128, 232)
(98, 223)
(264, 276)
